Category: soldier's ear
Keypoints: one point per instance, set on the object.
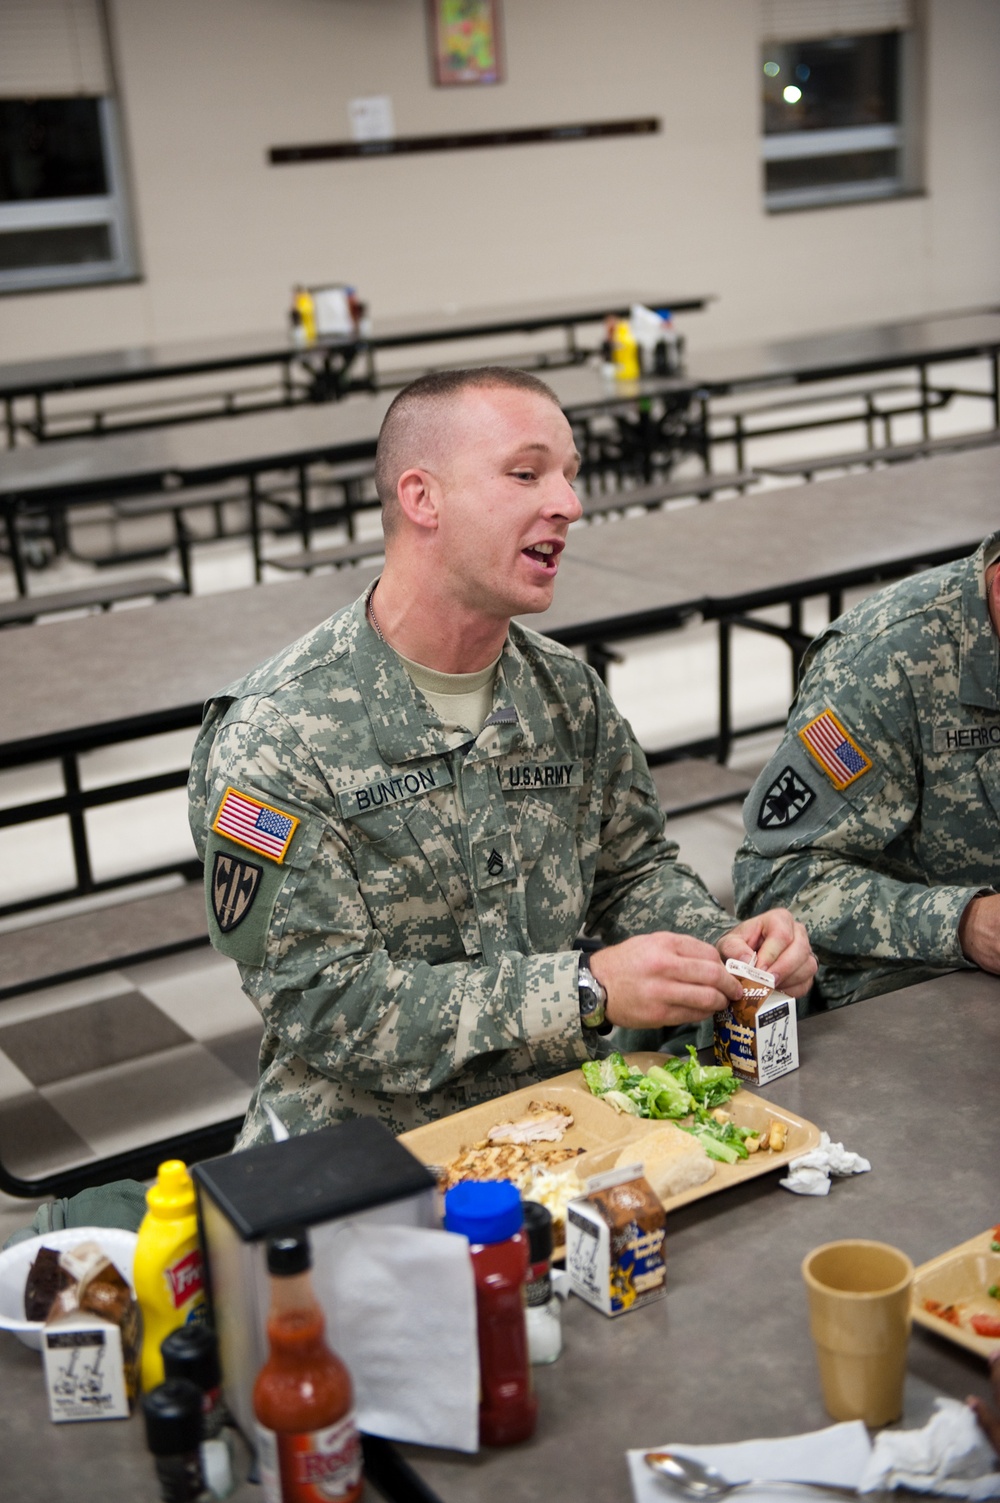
(418, 494)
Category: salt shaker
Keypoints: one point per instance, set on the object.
(543, 1313)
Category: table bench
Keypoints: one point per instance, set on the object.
(687, 785)
(893, 454)
(84, 944)
(102, 593)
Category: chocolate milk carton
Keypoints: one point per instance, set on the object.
(759, 1035)
(614, 1242)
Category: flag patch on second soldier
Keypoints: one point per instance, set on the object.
(840, 757)
(785, 801)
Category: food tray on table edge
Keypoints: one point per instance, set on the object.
(602, 1132)
(960, 1276)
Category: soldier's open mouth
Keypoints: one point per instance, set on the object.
(545, 554)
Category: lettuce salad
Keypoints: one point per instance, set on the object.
(677, 1090)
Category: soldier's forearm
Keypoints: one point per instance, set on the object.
(849, 910)
(410, 1027)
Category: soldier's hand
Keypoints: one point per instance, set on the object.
(657, 980)
(781, 945)
(979, 933)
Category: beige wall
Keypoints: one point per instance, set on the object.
(208, 85)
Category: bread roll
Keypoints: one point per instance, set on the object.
(673, 1160)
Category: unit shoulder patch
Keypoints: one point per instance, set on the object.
(839, 755)
(258, 826)
(234, 886)
(787, 799)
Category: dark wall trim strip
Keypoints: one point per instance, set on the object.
(283, 156)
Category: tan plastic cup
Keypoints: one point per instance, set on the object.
(859, 1315)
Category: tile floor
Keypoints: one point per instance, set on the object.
(127, 1057)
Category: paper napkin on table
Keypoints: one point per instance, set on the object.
(401, 1307)
(950, 1456)
(838, 1454)
(810, 1174)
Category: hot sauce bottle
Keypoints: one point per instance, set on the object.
(308, 1445)
(489, 1214)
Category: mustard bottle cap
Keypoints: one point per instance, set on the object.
(173, 1193)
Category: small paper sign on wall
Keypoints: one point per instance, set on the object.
(465, 41)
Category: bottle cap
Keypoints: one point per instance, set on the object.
(172, 1195)
(192, 1352)
(172, 1412)
(483, 1210)
(538, 1225)
(288, 1252)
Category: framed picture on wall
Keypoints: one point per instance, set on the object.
(465, 41)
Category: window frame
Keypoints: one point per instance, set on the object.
(902, 136)
(110, 209)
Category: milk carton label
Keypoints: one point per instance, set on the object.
(84, 1372)
(757, 1036)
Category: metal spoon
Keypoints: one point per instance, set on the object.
(696, 1479)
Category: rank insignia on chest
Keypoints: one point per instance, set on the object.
(258, 826)
(840, 757)
(785, 801)
(234, 887)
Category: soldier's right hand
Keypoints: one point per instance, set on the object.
(657, 980)
(979, 933)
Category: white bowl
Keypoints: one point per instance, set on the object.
(15, 1261)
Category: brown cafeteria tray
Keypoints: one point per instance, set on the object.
(603, 1133)
(960, 1276)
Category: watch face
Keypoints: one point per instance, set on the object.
(592, 999)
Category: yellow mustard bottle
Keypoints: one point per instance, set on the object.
(625, 352)
(168, 1271)
(305, 307)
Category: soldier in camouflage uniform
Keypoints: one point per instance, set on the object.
(877, 821)
(402, 882)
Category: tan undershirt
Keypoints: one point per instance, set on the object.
(463, 699)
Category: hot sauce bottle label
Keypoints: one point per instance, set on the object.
(318, 1466)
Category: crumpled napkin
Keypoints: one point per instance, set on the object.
(949, 1456)
(810, 1174)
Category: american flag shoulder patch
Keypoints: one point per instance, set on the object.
(258, 826)
(839, 755)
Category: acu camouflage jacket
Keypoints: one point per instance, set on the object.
(878, 818)
(401, 899)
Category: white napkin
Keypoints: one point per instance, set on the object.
(401, 1311)
(949, 1456)
(838, 1454)
(810, 1174)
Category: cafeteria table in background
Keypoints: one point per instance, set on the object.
(624, 430)
(726, 1355)
(296, 373)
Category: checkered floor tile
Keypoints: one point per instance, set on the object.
(126, 1058)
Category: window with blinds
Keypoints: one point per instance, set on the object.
(63, 211)
(838, 82)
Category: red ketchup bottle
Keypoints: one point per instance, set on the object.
(307, 1439)
(489, 1214)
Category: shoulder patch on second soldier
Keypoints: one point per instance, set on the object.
(839, 755)
(787, 799)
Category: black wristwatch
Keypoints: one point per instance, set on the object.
(593, 997)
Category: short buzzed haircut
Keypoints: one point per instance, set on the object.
(412, 405)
